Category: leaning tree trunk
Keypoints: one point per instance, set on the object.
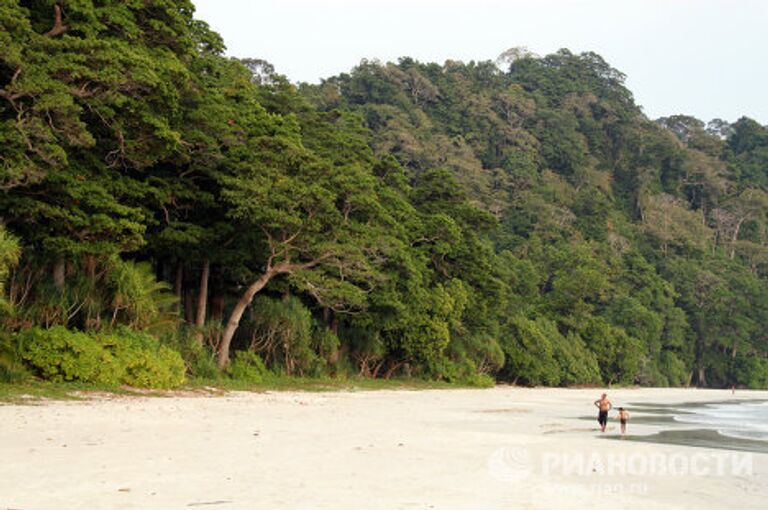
(202, 301)
(237, 314)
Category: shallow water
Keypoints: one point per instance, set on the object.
(741, 420)
(733, 425)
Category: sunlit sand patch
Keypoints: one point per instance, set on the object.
(506, 410)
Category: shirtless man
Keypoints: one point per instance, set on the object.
(604, 405)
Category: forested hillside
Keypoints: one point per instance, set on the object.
(168, 210)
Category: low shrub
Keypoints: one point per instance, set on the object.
(58, 354)
(121, 357)
(199, 359)
(11, 367)
(145, 362)
(247, 366)
(750, 372)
(463, 373)
(282, 334)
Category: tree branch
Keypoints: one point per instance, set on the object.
(287, 267)
(58, 27)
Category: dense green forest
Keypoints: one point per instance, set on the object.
(168, 211)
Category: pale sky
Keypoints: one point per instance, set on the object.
(707, 58)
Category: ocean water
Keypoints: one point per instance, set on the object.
(742, 420)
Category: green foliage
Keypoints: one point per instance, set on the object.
(138, 299)
(9, 257)
(463, 373)
(144, 362)
(618, 355)
(673, 369)
(459, 221)
(559, 152)
(537, 353)
(578, 364)
(530, 354)
(93, 294)
(63, 355)
(199, 361)
(282, 334)
(247, 366)
(366, 349)
(123, 357)
(325, 343)
(12, 369)
(751, 372)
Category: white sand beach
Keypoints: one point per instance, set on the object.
(498, 448)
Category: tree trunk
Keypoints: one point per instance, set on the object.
(332, 322)
(702, 378)
(202, 300)
(735, 237)
(177, 285)
(217, 316)
(237, 314)
(189, 305)
(59, 273)
(327, 316)
(90, 266)
(391, 370)
(217, 307)
(335, 325)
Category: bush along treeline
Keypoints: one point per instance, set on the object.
(169, 212)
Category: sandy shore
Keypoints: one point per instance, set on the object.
(500, 448)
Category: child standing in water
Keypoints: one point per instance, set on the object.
(623, 417)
